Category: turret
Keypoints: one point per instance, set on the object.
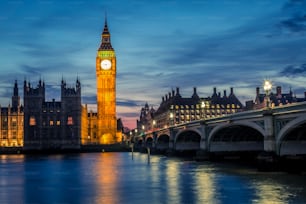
(106, 40)
(195, 95)
(15, 97)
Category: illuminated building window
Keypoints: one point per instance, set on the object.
(58, 122)
(4, 136)
(32, 121)
(233, 105)
(69, 121)
(14, 135)
(51, 122)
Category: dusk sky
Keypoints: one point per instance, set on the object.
(160, 45)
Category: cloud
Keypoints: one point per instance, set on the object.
(129, 115)
(294, 70)
(295, 17)
(90, 99)
(129, 102)
(295, 24)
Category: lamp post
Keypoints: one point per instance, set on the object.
(267, 87)
(202, 110)
(153, 124)
(171, 119)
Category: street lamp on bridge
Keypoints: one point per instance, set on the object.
(153, 124)
(202, 109)
(171, 118)
(267, 87)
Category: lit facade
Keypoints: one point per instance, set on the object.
(277, 99)
(106, 123)
(11, 117)
(175, 109)
(146, 119)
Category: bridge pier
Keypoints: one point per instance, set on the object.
(170, 151)
(269, 138)
(268, 159)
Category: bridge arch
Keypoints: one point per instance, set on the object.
(247, 124)
(187, 140)
(162, 142)
(236, 136)
(149, 141)
(289, 137)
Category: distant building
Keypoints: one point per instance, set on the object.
(146, 119)
(52, 124)
(175, 109)
(277, 99)
(11, 117)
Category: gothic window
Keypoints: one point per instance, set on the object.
(4, 135)
(51, 122)
(14, 122)
(14, 135)
(32, 121)
(69, 121)
(58, 122)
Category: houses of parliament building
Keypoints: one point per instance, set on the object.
(66, 124)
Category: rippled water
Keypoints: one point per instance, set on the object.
(117, 178)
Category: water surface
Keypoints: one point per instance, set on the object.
(117, 178)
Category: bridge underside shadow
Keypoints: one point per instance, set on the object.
(294, 142)
(149, 142)
(237, 138)
(162, 143)
(188, 141)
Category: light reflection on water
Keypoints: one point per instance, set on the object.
(116, 178)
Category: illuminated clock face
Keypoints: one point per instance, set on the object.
(106, 64)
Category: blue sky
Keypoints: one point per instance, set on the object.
(160, 45)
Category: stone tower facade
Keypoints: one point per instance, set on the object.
(106, 90)
(52, 125)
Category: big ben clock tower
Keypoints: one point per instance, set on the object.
(106, 90)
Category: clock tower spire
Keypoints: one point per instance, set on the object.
(106, 89)
(106, 42)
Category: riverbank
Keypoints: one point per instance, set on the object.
(83, 149)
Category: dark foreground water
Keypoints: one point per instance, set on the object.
(116, 178)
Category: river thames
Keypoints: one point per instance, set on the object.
(120, 178)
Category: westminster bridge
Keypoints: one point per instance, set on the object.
(280, 130)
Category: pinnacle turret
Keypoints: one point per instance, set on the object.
(106, 42)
